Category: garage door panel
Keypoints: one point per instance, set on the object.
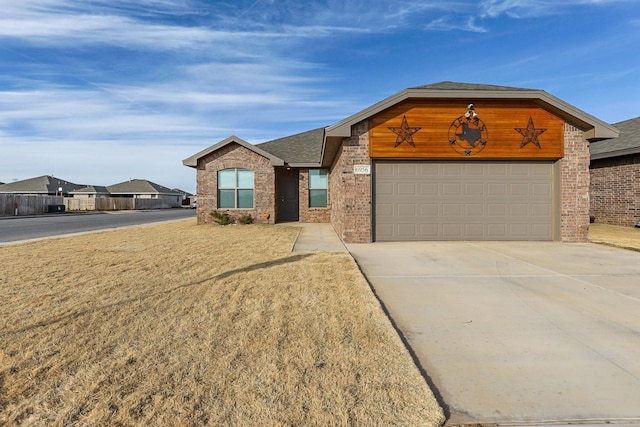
(428, 189)
(518, 230)
(406, 189)
(384, 189)
(429, 209)
(496, 209)
(518, 209)
(451, 170)
(474, 189)
(541, 189)
(409, 171)
(474, 231)
(497, 170)
(541, 230)
(463, 201)
(452, 231)
(452, 209)
(451, 189)
(384, 209)
(429, 230)
(474, 209)
(496, 231)
(473, 169)
(407, 209)
(497, 189)
(407, 231)
(541, 210)
(521, 190)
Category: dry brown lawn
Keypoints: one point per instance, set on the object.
(613, 235)
(178, 324)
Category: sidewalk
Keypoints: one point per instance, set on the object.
(316, 238)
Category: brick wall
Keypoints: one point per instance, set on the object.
(308, 214)
(574, 220)
(350, 194)
(234, 156)
(615, 190)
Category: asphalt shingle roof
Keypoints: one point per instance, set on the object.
(302, 148)
(45, 184)
(91, 189)
(447, 85)
(627, 143)
(139, 186)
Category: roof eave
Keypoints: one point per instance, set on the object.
(304, 165)
(618, 153)
(193, 160)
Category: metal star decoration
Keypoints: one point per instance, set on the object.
(404, 132)
(530, 134)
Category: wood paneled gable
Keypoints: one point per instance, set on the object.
(456, 129)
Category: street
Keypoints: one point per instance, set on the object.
(13, 229)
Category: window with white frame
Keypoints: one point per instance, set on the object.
(235, 188)
(318, 188)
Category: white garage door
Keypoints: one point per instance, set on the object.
(463, 200)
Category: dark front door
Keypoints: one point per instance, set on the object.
(287, 195)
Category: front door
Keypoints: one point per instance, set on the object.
(287, 184)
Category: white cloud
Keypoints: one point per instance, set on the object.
(448, 23)
(535, 8)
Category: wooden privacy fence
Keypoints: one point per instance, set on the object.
(38, 204)
(98, 204)
(27, 204)
(115, 204)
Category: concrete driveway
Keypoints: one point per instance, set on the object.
(517, 332)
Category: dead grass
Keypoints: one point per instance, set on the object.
(179, 324)
(613, 235)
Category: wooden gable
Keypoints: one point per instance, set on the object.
(453, 129)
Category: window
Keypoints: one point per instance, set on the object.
(235, 188)
(318, 188)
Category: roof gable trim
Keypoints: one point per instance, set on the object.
(597, 129)
(193, 160)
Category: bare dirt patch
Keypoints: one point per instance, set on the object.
(178, 324)
(613, 235)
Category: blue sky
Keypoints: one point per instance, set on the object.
(101, 91)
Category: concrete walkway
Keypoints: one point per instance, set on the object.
(317, 238)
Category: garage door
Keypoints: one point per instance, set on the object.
(463, 200)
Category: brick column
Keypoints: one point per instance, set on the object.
(351, 194)
(575, 186)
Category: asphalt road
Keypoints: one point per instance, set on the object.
(14, 229)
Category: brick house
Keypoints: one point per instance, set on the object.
(615, 177)
(447, 161)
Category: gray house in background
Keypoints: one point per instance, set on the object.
(34, 195)
(91, 191)
(45, 185)
(143, 189)
(615, 177)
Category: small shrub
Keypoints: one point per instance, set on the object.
(245, 219)
(222, 218)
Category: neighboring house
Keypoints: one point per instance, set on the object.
(615, 177)
(90, 192)
(447, 161)
(187, 198)
(42, 185)
(143, 189)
